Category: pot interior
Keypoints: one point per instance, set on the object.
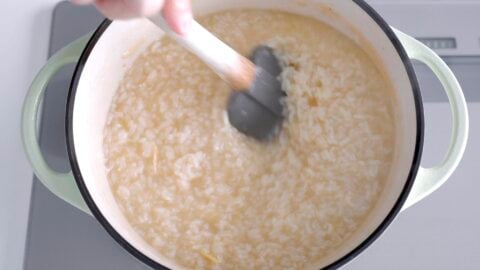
(115, 49)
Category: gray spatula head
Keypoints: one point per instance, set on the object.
(259, 112)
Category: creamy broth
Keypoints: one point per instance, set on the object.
(208, 197)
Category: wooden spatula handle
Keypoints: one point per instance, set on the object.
(237, 70)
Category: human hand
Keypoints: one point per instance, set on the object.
(177, 13)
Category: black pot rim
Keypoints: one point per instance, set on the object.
(339, 262)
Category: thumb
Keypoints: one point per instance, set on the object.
(178, 14)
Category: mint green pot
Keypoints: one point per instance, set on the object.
(103, 58)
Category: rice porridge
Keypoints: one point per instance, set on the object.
(208, 197)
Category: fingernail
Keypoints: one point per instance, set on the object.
(184, 23)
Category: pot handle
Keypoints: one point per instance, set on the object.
(61, 184)
(430, 179)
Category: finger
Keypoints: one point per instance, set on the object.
(145, 8)
(126, 9)
(178, 14)
(113, 9)
(82, 2)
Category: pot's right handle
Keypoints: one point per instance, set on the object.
(61, 184)
(430, 179)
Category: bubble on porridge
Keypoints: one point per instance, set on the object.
(188, 167)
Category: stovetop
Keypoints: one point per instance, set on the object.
(439, 233)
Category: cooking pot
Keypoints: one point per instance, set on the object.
(103, 58)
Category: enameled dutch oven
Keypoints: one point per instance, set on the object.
(103, 58)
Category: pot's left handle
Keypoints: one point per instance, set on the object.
(61, 184)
